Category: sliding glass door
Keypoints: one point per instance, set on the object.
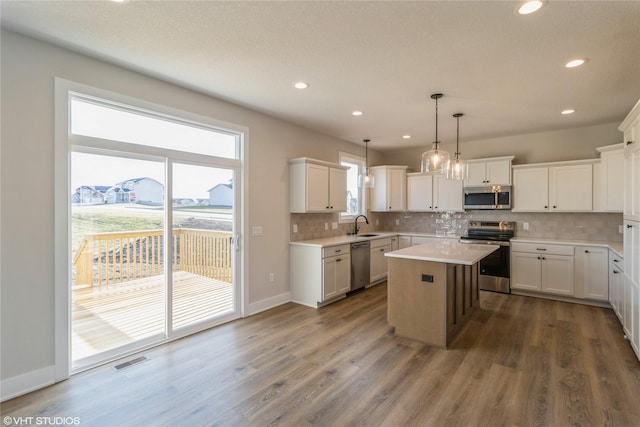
(153, 228)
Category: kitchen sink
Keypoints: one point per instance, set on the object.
(367, 235)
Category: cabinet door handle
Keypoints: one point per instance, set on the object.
(629, 142)
(540, 249)
(554, 206)
(586, 252)
(339, 259)
(338, 250)
(629, 226)
(615, 260)
(614, 271)
(546, 207)
(543, 258)
(382, 250)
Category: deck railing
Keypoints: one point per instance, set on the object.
(115, 257)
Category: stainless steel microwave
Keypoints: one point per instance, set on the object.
(490, 197)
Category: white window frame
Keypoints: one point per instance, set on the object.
(344, 218)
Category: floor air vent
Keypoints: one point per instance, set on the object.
(130, 363)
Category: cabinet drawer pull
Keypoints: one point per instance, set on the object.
(586, 252)
(382, 250)
(339, 259)
(629, 226)
(338, 250)
(614, 271)
(629, 142)
(615, 260)
(541, 249)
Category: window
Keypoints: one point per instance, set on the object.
(356, 203)
(111, 121)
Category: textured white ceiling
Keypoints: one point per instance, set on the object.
(503, 71)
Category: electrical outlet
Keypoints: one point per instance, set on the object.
(272, 277)
(326, 225)
(397, 222)
(295, 228)
(620, 229)
(377, 221)
(525, 225)
(256, 230)
(334, 225)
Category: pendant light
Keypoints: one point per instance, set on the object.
(457, 169)
(365, 179)
(435, 160)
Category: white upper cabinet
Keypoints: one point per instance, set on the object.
(531, 190)
(317, 186)
(631, 129)
(419, 192)
(390, 191)
(430, 193)
(553, 187)
(608, 179)
(492, 171)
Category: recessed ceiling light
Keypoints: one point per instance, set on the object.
(575, 62)
(406, 136)
(530, 7)
(357, 113)
(120, 1)
(301, 85)
(568, 111)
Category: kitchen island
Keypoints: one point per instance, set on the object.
(433, 289)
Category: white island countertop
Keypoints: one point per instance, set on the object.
(447, 251)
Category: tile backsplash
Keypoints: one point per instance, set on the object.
(575, 226)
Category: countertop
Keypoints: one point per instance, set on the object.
(350, 238)
(614, 246)
(617, 247)
(447, 251)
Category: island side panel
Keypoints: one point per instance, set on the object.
(463, 296)
(417, 309)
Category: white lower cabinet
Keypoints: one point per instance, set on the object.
(318, 274)
(378, 262)
(630, 316)
(592, 275)
(616, 283)
(336, 276)
(543, 268)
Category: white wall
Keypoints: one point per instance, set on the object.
(551, 146)
(27, 177)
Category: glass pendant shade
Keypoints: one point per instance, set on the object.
(435, 160)
(457, 169)
(365, 179)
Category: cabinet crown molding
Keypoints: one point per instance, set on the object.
(635, 112)
(551, 164)
(491, 159)
(316, 162)
(608, 148)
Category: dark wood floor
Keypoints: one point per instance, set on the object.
(520, 361)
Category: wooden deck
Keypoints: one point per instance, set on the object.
(111, 316)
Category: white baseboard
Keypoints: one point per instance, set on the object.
(266, 304)
(25, 383)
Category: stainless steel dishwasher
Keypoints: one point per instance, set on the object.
(360, 273)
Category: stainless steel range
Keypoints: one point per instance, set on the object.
(495, 268)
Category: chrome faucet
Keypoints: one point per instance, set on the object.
(355, 223)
